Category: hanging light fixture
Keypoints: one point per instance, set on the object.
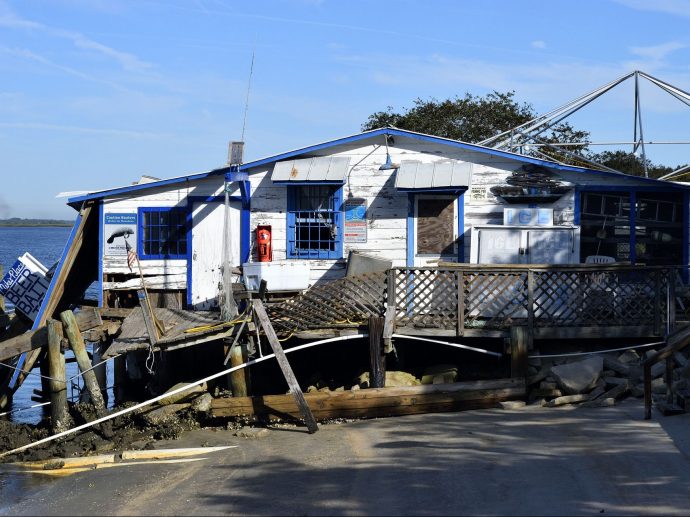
(388, 165)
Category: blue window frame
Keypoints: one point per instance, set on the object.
(162, 233)
(315, 222)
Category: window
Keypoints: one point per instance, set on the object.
(315, 222)
(163, 233)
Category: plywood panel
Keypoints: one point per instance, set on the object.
(435, 235)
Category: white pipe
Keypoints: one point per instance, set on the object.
(596, 351)
(456, 345)
(174, 392)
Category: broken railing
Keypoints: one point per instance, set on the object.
(464, 300)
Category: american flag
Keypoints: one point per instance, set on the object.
(131, 255)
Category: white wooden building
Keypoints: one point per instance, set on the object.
(404, 197)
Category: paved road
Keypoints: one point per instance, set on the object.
(532, 461)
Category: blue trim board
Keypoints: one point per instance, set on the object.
(51, 288)
(410, 230)
(100, 253)
(245, 233)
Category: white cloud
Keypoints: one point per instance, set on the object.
(127, 61)
(673, 7)
(79, 129)
(538, 44)
(657, 52)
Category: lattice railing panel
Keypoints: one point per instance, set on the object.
(346, 301)
(426, 298)
(494, 300)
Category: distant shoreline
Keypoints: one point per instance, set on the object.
(27, 223)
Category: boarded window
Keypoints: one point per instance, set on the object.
(435, 226)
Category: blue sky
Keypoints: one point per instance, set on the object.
(95, 93)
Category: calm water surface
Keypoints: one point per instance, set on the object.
(46, 244)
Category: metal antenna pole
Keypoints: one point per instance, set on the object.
(639, 123)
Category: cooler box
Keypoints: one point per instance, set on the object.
(283, 275)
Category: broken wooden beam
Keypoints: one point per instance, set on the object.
(285, 367)
(376, 402)
(78, 346)
(38, 338)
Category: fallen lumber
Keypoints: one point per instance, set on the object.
(376, 402)
(34, 339)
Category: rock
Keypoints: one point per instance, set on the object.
(578, 377)
(512, 404)
(164, 413)
(546, 385)
(615, 381)
(637, 390)
(355, 387)
(608, 373)
(311, 389)
(539, 376)
(659, 386)
(602, 402)
(393, 379)
(596, 392)
(202, 404)
(440, 374)
(616, 366)
(251, 432)
(680, 359)
(658, 369)
(539, 393)
(567, 399)
(635, 373)
(185, 395)
(532, 371)
(629, 356)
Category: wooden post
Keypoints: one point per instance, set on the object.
(260, 311)
(77, 344)
(519, 343)
(149, 320)
(377, 371)
(100, 371)
(238, 378)
(45, 376)
(59, 416)
(120, 378)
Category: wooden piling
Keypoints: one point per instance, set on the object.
(77, 344)
(120, 378)
(519, 343)
(377, 372)
(59, 415)
(100, 370)
(238, 379)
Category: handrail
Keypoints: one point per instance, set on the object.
(675, 343)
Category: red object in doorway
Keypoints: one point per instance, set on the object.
(263, 243)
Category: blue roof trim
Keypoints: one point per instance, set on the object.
(144, 186)
(453, 143)
(76, 201)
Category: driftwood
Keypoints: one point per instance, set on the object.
(377, 402)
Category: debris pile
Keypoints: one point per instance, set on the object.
(602, 380)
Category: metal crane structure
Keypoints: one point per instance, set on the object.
(525, 138)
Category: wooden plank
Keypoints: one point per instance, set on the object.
(59, 416)
(78, 346)
(377, 371)
(35, 339)
(289, 375)
(151, 329)
(58, 283)
(376, 402)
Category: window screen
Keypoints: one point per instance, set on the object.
(315, 221)
(163, 233)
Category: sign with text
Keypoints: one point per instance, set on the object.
(25, 285)
(355, 220)
(118, 231)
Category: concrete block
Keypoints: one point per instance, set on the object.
(578, 377)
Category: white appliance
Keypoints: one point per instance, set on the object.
(515, 244)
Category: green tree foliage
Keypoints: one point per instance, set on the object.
(475, 118)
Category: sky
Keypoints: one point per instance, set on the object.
(96, 93)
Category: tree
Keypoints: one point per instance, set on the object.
(629, 163)
(470, 118)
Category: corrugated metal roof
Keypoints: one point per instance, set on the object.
(418, 175)
(320, 168)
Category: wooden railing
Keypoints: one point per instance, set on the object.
(463, 300)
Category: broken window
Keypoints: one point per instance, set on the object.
(314, 221)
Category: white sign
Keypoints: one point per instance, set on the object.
(25, 285)
(118, 231)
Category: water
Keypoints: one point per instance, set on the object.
(46, 244)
